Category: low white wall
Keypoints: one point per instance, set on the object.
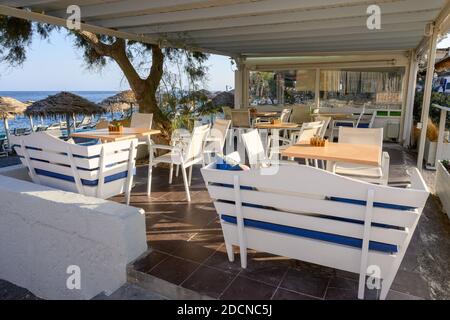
(442, 187)
(43, 231)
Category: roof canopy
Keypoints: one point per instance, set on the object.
(249, 27)
(120, 101)
(10, 107)
(64, 103)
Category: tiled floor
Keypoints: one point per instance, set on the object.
(187, 250)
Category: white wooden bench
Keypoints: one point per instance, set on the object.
(101, 171)
(316, 216)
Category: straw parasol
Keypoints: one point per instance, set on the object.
(223, 99)
(10, 107)
(64, 103)
(119, 102)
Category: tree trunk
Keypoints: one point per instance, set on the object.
(144, 89)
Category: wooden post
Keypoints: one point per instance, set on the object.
(427, 96)
(409, 105)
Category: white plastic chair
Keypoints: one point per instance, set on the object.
(374, 136)
(306, 132)
(216, 138)
(240, 123)
(142, 120)
(192, 155)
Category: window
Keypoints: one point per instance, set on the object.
(380, 88)
(282, 87)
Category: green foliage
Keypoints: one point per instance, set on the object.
(16, 35)
(441, 99)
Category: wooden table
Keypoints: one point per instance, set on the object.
(337, 152)
(278, 126)
(265, 114)
(105, 136)
(335, 116)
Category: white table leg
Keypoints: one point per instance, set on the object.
(150, 166)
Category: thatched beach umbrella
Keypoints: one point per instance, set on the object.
(119, 102)
(223, 99)
(64, 103)
(10, 107)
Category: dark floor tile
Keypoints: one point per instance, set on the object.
(411, 283)
(220, 260)
(347, 289)
(395, 295)
(243, 288)
(282, 294)
(313, 284)
(208, 281)
(193, 251)
(145, 264)
(174, 270)
(266, 267)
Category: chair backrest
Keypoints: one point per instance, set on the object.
(102, 124)
(285, 115)
(372, 136)
(226, 113)
(255, 148)
(363, 123)
(300, 113)
(101, 170)
(326, 121)
(240, 118)
(197, 142)
(220, 130)
(141, 120)
(307, 131)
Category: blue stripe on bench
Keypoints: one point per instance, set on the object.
(328, 237)
(116, 176)
(375, 204)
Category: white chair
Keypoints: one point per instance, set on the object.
(142, 120)
(325, 219)
(369, 136)
(101, 171)
(326, 122)
(355, 123)
(192, 155)
(215, 141)
(306, 132)
(255, 151)
(240, 123)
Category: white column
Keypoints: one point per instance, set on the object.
(409, 107)
(440, 140)
(317, 89)
(31, 123)
(238, 88)
(5, 121)
(431, 57)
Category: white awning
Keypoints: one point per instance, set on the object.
(250, 27)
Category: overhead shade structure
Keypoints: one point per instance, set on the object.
(120, 102)
(248, 27)
(64, 103)
(10, 107)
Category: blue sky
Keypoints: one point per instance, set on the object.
(54, 65)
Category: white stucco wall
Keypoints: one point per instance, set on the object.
(43, 231)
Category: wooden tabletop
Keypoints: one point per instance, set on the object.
(105, 135)
(338, 152)
(265, 114)
(283, 125)
(337, 116)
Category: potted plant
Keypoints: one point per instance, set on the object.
(442, 186)
(115, 126)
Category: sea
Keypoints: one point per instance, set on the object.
(23, 122)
